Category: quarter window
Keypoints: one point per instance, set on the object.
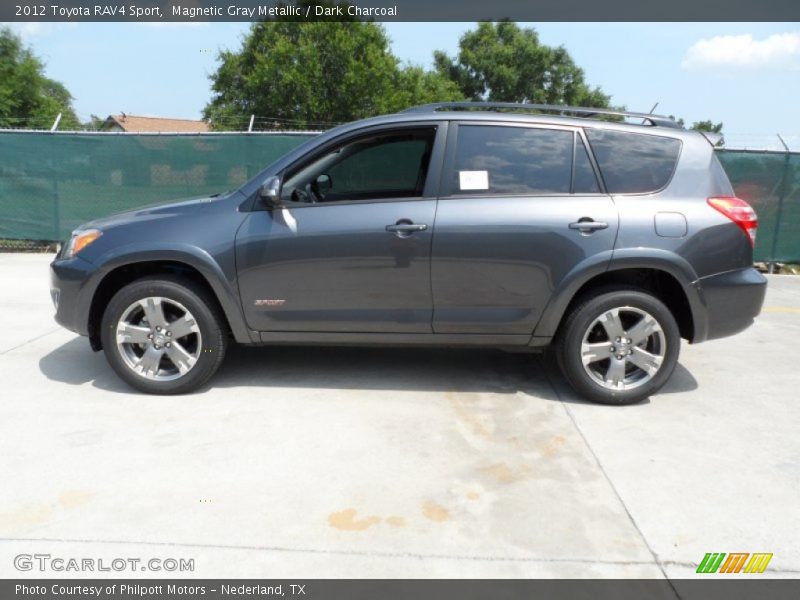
(634, 163)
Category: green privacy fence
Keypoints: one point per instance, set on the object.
(52, 182)
(770, 182)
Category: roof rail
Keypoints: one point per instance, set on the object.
(654, 120)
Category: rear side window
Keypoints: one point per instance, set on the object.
(512, 160)
(633, 163)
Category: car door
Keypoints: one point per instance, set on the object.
(520, 207)
(349, 250)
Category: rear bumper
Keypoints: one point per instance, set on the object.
(731, 302)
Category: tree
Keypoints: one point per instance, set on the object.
(93, 124)
(502, 62)
(709, 126)
(414, 85)
(27, 97)
(315, 74)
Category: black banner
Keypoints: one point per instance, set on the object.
(711, 588)
(399, 10)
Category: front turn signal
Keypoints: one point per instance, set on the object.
(81, 239)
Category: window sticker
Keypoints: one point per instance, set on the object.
(473, 180)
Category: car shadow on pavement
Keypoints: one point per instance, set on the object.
(681, 380)
(358, 368)
(75, 363)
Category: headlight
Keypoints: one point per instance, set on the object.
(79, 241)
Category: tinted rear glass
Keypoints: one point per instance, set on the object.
(512, 160)
(633, 163)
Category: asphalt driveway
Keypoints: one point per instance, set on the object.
(330, 462)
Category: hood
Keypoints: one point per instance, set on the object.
(156, 211)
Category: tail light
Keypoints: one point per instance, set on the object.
(740, 212)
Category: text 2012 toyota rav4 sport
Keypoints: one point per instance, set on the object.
(452, 224)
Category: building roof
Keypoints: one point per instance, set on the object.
(134, 123)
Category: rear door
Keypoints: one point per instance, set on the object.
(520, 207)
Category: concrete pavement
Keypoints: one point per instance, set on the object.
(326, 462)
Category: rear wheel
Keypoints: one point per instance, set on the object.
(618, 346)
(163, 335)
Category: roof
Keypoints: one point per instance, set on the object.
(134, 123)
(512, 117)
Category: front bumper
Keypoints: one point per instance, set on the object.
(732, 302)
(68, 290)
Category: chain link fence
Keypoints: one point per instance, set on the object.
(52, 182)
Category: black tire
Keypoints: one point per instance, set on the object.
(577, 326)
(206, 314)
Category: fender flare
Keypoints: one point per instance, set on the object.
(222, 284)
(616, 260)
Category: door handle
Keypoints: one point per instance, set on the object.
(586, 225)
(404, 227)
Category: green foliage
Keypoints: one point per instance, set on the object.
(414, 85)
(93, 124)
(27, 97)
(314, 74)
(502, 62)
(709, 126)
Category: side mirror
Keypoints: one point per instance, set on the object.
(270, 192)
(324, 184)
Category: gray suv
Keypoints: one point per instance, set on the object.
(459, 224)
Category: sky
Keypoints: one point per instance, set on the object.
(746, 75)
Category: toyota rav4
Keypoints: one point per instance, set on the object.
(455, 224)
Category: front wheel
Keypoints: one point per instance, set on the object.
(618, 346)
(163, 335)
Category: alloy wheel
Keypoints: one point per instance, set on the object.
(623, 348)
(158, 338)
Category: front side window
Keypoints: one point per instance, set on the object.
(388, 165)
(634, 163)
(512, 160)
